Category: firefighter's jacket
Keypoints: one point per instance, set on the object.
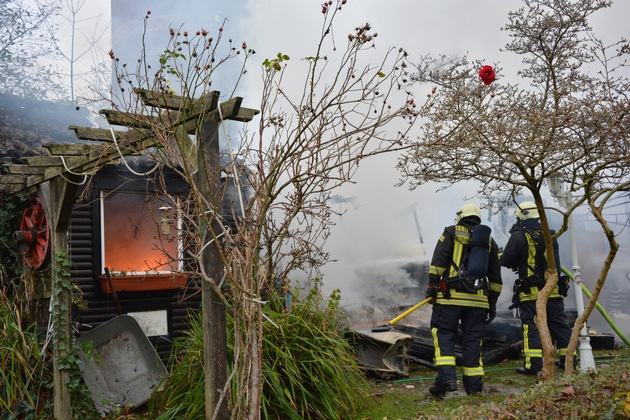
(449, 255)
(525, 253)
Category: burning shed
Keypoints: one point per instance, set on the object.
(127, 223)
(127, 253)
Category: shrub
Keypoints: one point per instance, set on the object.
(309, 369)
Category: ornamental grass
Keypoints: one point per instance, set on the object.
(309, 369)
(20, 358)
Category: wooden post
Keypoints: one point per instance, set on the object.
(58, 197)
(213, 308)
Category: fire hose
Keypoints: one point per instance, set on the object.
(600, 308)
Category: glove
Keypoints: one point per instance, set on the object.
(563, 285)
(492, 313)
(431, 292)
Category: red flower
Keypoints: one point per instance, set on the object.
(487, 75)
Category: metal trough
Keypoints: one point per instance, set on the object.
(385, 352)
(124, 369)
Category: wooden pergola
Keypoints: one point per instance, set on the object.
(57, 177)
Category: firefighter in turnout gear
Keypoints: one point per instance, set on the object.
(524, 253)
(459, 295)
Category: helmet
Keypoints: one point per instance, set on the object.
(526, 210)
(467, 210)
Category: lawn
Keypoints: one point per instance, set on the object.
(505, 391)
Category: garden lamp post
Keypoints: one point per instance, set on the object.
(565, 198)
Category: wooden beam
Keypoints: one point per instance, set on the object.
(231, 110)
(244, 115)
(53, 166)
(95, 155)
(69, 149)
(33, 180)
(12, 188)
(58, 197)
(197, 109)
(45, 161)
(124, 139)
(164, 100)
(44, 168)
(22, 169)
(191, 119)
(226, 110)
(213, 308)
(128, 119)
(14, 179)
(176, 102)
(105, 135)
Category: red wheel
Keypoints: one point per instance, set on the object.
(34, 236)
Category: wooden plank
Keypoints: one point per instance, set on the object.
(33, 180)
(54, 165)
(160, 99)
(125, 139)
(190, 119)
(177, 102)
(69, 149)
(128, 119)
(226, 110)
(85, 156)
(13, 179)
(244, 115)
(22, 169)
(45, 168)
(58, 198)
(38, 161)
(231, 110)
(12, 188)
(103, 134)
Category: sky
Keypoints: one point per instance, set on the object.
(377, 234)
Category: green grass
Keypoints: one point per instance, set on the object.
(505, 392)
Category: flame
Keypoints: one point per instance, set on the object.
(133, 234)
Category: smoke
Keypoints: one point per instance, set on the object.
(385, 231)
(592, 249)
(377, 236)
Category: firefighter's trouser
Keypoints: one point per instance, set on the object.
(558, 328)
(444, 322)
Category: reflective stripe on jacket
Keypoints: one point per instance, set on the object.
(474, 300)
(533, 295)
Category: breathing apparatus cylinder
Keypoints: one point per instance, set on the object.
(479, 251)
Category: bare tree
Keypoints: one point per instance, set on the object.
(26, 30)
(308, 142)
(568, 119)
(67, 45)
